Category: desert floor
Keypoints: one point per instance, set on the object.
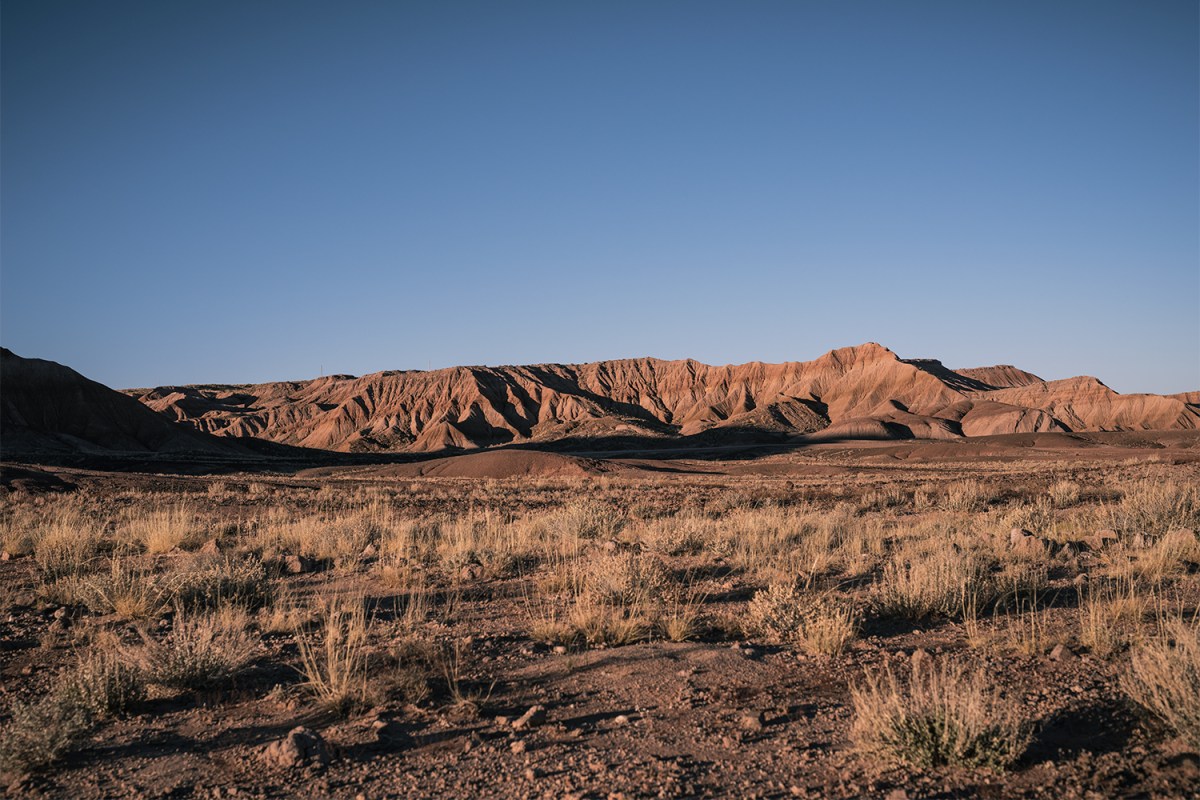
(1007, 619)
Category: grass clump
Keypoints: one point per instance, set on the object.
(944, 715)
(1164, 678)
(817, 622)
(334, 660)
(201, 650)
(40, 733)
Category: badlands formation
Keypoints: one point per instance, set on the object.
(863, 392)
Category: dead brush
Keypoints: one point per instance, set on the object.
(66, 544)
(820, 623)
(945, 714)
(201, 651)
(126, 590)
(1154, 507)
(334, 659)
(1163, 677)
(163, 530)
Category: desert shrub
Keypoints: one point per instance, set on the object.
(200, 651)
(1164, 678)
(127, 590)
(944, 714)
(41, 732)
(1154, 507)
(216, 581)
(627, 579)
(935, 582)
(334, 659)
(104, 683)
(820, 623)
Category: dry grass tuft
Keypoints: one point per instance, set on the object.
(945, 714)
(1164, 678)
(334, 660)
(201, 651)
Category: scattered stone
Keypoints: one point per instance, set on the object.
(296, 565)
(370, 551)
(531, 774)
(1061, 653)
(533, 718)
(897, 794)
(920, 657)
(210, 548)
(752, 721)
(620, 719)
(390, 732)
(518, 746)
(1018, 535)
(560, 649)
(302, 747)
(5, 556)
(1102, 539)
(469, 572)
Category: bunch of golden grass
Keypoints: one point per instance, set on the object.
(334, 659)
(944, 714)
(1164, 677)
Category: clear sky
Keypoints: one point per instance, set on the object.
(228, 191)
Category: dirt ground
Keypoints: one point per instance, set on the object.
(725, 711)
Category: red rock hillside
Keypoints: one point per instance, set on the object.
(854, 392)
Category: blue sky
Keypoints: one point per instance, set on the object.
(247, 191)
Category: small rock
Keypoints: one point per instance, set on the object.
(752, 721)
(5, 556)
(1061, 653)
(1017, 536)
(390, 732)
(518, 746)
(533, 718)
(620, 719)
(300, 748)
(295, 565)
(531, 774)
(370, 551)
(502, 721)
(560, 649)
(469, 572)
(210, 548)
(920, 657)
(897, 794)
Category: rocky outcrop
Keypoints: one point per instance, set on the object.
(854, 392)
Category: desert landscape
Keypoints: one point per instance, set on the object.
(858, 576)
(599, 400)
